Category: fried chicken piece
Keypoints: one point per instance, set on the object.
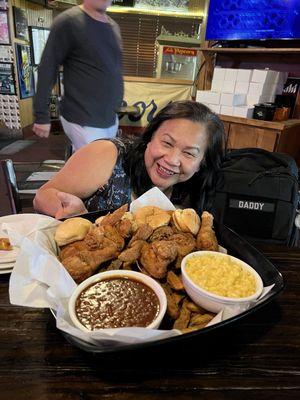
(124, 227)
(206, 238)
(111, 233)
(112, 219)
(72, 249)
(143, 233)
(185, 243)
(94, 238)
(162, 233)
(114, 265)
(101, 236)
(132, 253)
(156, 257)
(86, 262)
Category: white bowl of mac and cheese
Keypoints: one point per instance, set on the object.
(215, 280)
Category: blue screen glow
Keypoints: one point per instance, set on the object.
(253, 19)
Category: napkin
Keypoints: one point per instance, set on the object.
(40, 280)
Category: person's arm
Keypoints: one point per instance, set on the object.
(87, 170)
(57, 47)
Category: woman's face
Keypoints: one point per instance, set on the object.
(175, 152)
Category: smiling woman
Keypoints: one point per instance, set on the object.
(180, 152)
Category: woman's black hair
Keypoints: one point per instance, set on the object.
(201, 186)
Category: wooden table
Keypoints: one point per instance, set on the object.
(257, 358)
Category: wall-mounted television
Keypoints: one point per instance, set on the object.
(253, 20)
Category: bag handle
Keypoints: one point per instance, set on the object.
(252, 151)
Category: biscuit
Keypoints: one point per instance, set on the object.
(153, 216)
(186, 220)
(71, 230)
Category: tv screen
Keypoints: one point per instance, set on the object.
(253, 19)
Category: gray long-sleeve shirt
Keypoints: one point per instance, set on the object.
(90, 53)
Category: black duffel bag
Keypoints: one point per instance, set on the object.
(257, 195)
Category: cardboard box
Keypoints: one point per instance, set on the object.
(241, 87)
(259, 88)
(228, 86)
(233, 99)
(215, 108)
(219, 74)
(217, 85)
(264, 76)
(207, 96)
(231, 74)
(226, 110)
(255, 99)
(244, 75)
(243, 111)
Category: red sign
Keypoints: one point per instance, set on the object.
(180, 51)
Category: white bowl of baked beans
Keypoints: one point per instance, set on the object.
(215, 280)
(117, 299)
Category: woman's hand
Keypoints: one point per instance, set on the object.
(70, 205)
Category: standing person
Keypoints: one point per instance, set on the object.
(180, 152)
(87, 43)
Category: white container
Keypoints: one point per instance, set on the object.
(231, 74)
(232, 99)
(244, 75)
(219, 73)
(264, 76)
(217, 85)
(228, 87)
(226, 110)
(138, 276)
(216, 108)
(243, 111)
(255, 99)
(210, 301)
(207, 96)
(241, 87)
(259, 88)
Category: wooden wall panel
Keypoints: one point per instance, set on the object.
(37, 16)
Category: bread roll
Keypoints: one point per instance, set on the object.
(153, 216)
(71, 230)
(186, 220)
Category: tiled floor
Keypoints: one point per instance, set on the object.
(38, 150)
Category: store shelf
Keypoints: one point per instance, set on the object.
(144, 11)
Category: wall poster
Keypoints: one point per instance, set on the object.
(6, 54)
(4, 28)
(25, 71)
(21, 23)
(7, 79)
(3, 4)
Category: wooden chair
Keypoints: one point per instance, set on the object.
(20, 190)
(17, 199)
